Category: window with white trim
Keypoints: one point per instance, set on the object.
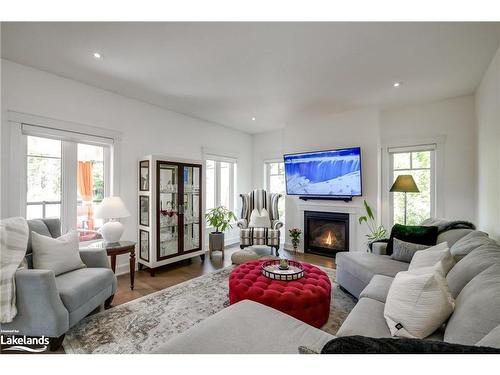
(66, 178)
(221, 177)
(274, 175)
(418, 161)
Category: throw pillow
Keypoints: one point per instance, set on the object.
(60, 255)
(468, 243)
(431, 256)
(404, 251)
(372, 345)
(424, 235)
(259, 219)
(417, 304)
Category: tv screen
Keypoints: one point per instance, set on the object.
(324, 173)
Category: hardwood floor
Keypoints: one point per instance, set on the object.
(185, 270)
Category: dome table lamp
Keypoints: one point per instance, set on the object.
(404, 184)
(111, 208)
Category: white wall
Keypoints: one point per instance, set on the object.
(488, 150)
(452, 122)
(266, 146)
(146, 129)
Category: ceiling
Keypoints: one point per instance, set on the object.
(228, 73)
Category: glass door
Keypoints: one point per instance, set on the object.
(168, 210)
(191, 208)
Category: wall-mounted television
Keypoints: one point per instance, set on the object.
(332, 173)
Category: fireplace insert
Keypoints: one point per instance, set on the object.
(326, 233)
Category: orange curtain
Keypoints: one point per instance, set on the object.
(85, 184)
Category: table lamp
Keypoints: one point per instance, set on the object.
(111, 208)
(404, 184)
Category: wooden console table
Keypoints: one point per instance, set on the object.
(118, 248)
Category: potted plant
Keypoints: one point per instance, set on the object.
(295, 235)
(218, 218)
(377, 232)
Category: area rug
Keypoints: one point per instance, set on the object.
(142, 325)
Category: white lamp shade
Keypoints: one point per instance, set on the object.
(111, 208)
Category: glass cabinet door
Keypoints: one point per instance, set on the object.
(168, 216)
(192, 207)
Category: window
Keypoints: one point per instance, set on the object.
(66, 179)
(221, 176)
(274, 172)
(420, 163)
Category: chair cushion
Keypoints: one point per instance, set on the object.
(378, 288)
(471, 265)
(421, 234)
(366, 319)
(469, 242)
(77, 287)
(476, 308)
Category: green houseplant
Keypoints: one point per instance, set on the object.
(218, 218)
(295, 234)
(377, 232)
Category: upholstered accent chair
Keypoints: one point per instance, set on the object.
(260, 199)
(50, 305)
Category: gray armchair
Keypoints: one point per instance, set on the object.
(49, 305)
(259, 199)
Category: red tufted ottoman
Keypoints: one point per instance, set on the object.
(307, 299)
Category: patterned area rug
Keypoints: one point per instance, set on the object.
(141, 325)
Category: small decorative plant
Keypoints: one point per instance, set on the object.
(377, 232)
(295, 234)
(220, 218)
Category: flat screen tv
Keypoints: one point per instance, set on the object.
(333, 173)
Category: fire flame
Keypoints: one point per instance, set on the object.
(329, 239)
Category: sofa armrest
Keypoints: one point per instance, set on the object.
(40, 310)
(95, 258)
(242, 223)
(277, 224)
(379, 248)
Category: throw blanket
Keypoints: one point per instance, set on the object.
(445, 225)
(13, 241)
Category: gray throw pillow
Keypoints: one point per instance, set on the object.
(60, 255)
(468, 243)
(404, 251)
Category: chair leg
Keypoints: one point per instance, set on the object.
(55, 343)
(107, 303)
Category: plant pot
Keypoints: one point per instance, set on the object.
(216, 241)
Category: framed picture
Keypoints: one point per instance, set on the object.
(144, 210)
(144, 175)
(144, 245)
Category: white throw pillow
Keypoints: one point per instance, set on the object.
(57, 254)
(259, 219)
(418, 304)
(431, 256)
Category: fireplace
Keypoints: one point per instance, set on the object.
(326, 233)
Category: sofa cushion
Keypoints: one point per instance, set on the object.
(404, 251)
(471, 265)
(453, 235)
(469, 242)
(431, 256)
(377, 288)
(364, 265)
(421, 234)
(492, 339)
(247, 327)
(366, 319)
(476, 309)
(79, 286)
(418, 304)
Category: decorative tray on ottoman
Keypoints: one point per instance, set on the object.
(273, 270)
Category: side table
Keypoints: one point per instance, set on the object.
(118, 248)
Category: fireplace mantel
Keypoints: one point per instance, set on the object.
(354, 212)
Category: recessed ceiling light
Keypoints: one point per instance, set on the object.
(253, 119)
(396, 84)
(97, 55)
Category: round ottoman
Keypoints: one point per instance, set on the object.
(307, 299)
